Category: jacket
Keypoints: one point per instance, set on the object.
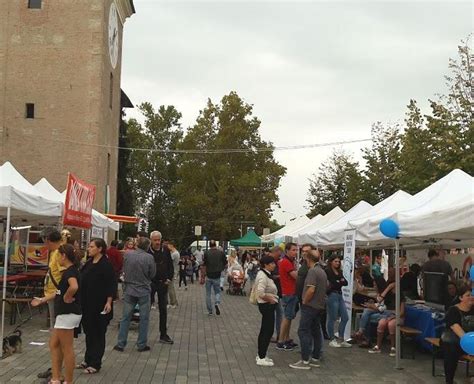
(265, 286)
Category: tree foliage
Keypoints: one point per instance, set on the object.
(408, 157)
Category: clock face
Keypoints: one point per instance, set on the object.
(113, 35)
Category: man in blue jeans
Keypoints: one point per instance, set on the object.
(139, 270)
(313, 303)
(213, 263)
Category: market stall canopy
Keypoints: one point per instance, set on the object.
(302, 235)
(376, 214)
(442, 212)
(98, 219)
(333, 234)
(25, 201)
(250, 239)
(293, 225)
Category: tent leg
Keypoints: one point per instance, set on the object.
(5, 265)
(397, 305)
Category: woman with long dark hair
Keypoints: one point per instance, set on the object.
(98, 288)
(68, 316)
(335, 303)
(459, 320)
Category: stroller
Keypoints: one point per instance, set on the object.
(236, 283)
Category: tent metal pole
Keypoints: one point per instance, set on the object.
(27, 245)
(397, 304)
(5, 267)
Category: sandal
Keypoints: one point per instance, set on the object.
(90, 370)
(83, 365)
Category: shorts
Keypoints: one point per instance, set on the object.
(68, 321)
(288, 304)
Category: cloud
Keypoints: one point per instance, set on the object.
(314, 71)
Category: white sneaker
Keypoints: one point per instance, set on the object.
(334, 343)
(375, 350)
(345, 344)
(186, 288)
(168, 306)
(264, 362)
(314, 362)
(393, 352)
(173, 306)
(153, 307)
(266, 358)
(301, 365)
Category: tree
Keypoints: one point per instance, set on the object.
(382, 172)
(337, 183)
(219, 190)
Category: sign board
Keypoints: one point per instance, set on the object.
(79, 200)
(197, 230)
(348, 273)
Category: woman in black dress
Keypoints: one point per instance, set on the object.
(98, 286)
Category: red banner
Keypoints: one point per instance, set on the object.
(78, 206)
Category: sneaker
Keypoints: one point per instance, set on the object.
(173, 306)
(144, 349)
(264, 362)
(393, 352)
(266, 358)
(334, 343)
(345, 344)
(118, 349)
(168, 306)
(291, 344)
(209, 313)
(314, 362)
(166, 340)
(186, 288)
(218, 311)
(284, 347)
(375, 350)
(301, 365)
(153, 307)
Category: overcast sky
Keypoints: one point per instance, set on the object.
(315, 71)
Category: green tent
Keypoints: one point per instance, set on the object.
(250, 239)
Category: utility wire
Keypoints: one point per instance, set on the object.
(229, 150)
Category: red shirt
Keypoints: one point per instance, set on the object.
(288, 283)
(116, 259)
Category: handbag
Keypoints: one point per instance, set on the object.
(253, 295)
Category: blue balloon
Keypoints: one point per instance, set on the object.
(467, 343)
(471, 272)
(389, 228)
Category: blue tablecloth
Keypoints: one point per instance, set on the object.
(430, 322)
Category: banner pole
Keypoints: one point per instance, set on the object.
(397, 305)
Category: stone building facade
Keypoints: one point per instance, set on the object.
(60, 67)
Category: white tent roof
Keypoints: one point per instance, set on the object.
(333, 234)
(444, 210)
(287, 229)
(25, 201)
(367, 232)
(98, 219)
(304, 234)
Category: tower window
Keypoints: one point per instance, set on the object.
(34, 4)
(30, 111)
(111, 90)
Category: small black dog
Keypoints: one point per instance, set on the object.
(12, 344)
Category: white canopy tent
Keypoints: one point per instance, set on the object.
(303, 235)
(442, 213)
(286, 230)
(19, 201)
(333, 234)
(376, 214)
(98, 219)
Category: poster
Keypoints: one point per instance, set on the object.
(79, 200)
(348, 273)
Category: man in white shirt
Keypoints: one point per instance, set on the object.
(175, 256)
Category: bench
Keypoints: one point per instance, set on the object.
(435, 342)
(15, 303)
(409, 334)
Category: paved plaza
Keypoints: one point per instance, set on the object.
(213, 350)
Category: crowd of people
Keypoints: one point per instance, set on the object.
(80, 293)
(314, 288)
